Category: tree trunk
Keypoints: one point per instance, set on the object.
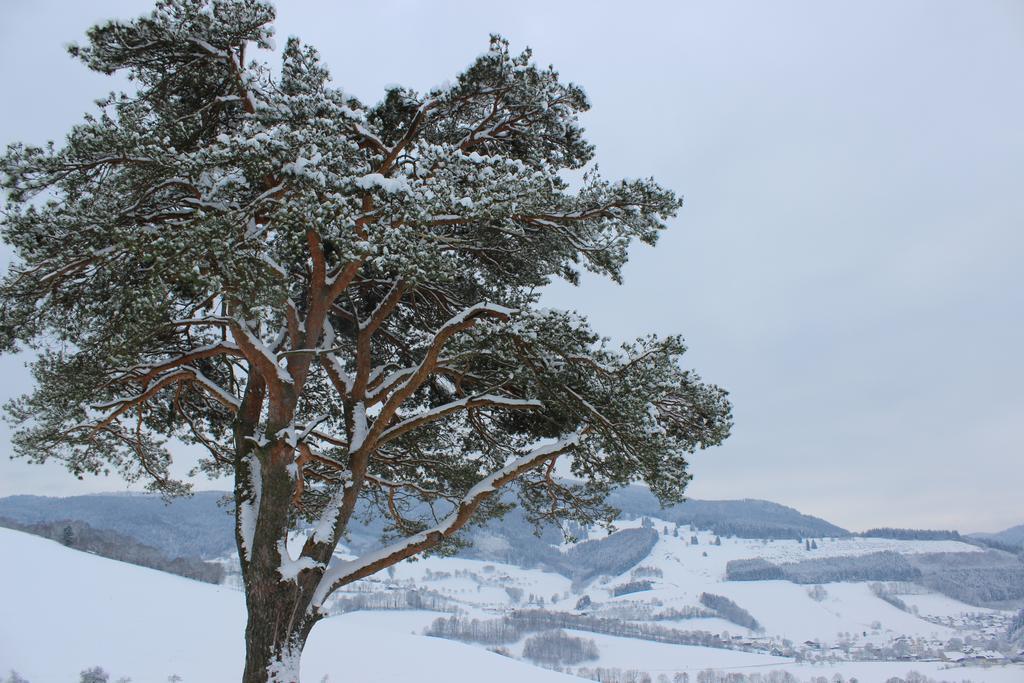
(273, 644)
(279, 618)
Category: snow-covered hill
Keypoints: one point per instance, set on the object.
(1012, 536)
(831, 626)
(65, 611)
(785, 609)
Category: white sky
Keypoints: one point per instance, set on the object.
(848, 261)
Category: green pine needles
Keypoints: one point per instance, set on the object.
(339, 302)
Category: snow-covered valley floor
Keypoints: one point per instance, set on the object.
(65, 611)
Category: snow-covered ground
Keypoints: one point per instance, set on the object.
(848, 614)
(783, 550)
(787, 610)
(65, 611)
(940, 606)
(628, 653)
(784, 609)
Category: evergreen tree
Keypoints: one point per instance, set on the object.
(94, 675)
(337, 301)
(67, 536)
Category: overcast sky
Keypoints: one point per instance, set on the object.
(848, 262)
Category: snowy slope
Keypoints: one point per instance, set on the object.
(73, 610)
(786, 609)
(64, 611)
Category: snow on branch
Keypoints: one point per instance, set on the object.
(124, 404)
(149, 371)
(439, 412)
(334, 368)
(249, 506)
(257, 352)
(225, 398)
(384, 308)
(289, 568)
(461, 321)
(380, 384)
(456, 323)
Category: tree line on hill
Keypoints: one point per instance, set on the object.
(941, 535)
(880, 566)
(644, 611)
(557, 648)
(631, 587)
(976, 578)
(616, 675)
(729, 610)
(912, 534)
(115, 546)
(512, 627)
(393, 600)
(197, 526)
(611, 555)
(986, 579)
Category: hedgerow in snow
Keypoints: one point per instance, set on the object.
(559, 648)
(339, 301)
(727, 609)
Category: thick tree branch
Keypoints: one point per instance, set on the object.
(346, 572)
(152, 370)
(464, 320)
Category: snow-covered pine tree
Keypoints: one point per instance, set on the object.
(338, 301)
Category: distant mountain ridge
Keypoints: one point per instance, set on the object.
(746, 518)
(202, 525)
(1013, 536)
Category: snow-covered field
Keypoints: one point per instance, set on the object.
(940, 606)
(65, 611)
(782, 550)
(784, 609)
(847, 613)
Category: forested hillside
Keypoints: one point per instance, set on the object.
(742, 518)
(976, 578)
(105, 543)
(195, 526)
(1013, 536)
